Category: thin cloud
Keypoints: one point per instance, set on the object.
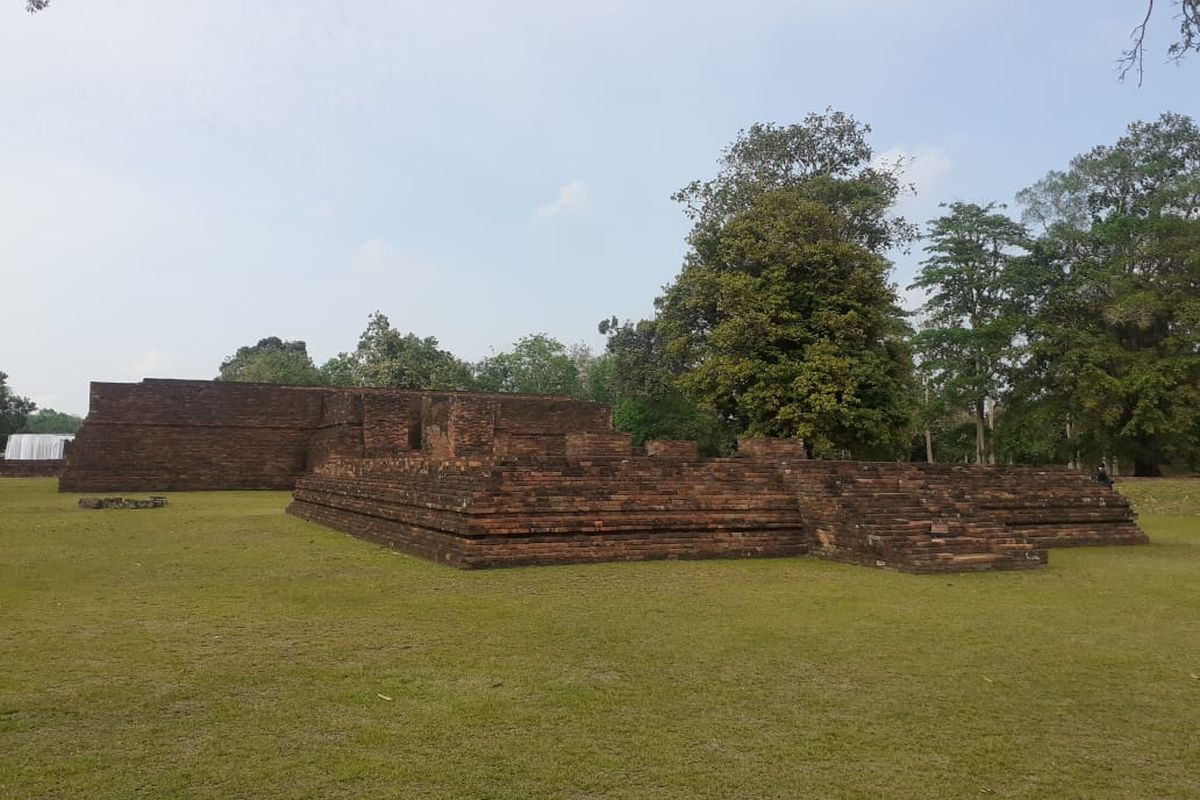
(924, 167)
(150, 363)
(572, 198)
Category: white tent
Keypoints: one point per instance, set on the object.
(39, 446)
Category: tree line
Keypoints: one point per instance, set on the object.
(1067, 334)
(1072, 335)
(21, 415)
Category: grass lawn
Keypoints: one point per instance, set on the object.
(218, 648)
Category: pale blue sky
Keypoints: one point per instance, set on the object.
(181, 178)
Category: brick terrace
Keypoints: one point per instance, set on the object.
(478, 480)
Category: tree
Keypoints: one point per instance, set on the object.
(47, 420)
(34, 6)
(639, 361)
(537, 364)
(1188, 41)
(673, 416)
(14, 410)
(272, 360)
(1113, 323)
(597, 374)
(339, 370)
(647, 402)
(966, 341)
(1151, 171)
(385, 357)
(784, 322)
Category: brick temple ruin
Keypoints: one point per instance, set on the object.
(490, 480)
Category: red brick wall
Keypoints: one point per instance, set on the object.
(30, 468)
(472, 425)
(391, 423)
(582, 445)
(666, 448)
(766, 447)
(171, 434)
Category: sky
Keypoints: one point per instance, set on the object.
(178, 179)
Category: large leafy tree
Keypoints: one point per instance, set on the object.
(14, 410)
(967, 339)
(1114, 318)
(385, 357)
(537, 364)
(271, 360)
(783, 320)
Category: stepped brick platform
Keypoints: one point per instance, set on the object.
(479, 480)
(603, 508)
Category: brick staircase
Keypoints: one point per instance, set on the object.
(935, 517)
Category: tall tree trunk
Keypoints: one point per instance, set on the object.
(928, 433)
(1072, 461)
(979, 428)
(991, 430)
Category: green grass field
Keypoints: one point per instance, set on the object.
(220, 649)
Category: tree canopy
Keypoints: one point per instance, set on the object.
(339, 370)
(271, 360)
(782, 320)
(787, 327)
(47, 420)
(385, 357)
(1113, 320)
(825, 159)
(967, 339)
(537, 364)
(14, 410)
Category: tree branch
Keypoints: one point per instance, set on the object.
(1189, 30)
(1133, 57)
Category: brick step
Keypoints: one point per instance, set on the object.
(523, 523)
